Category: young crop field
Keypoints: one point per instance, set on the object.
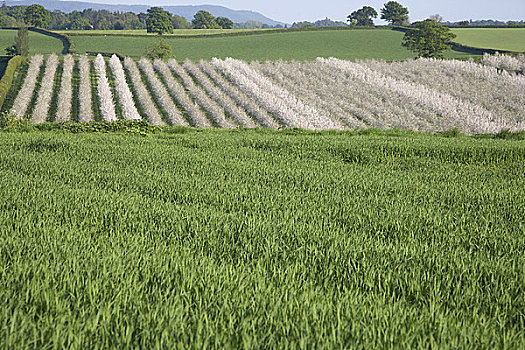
(176, 32)
(509, 39)
(426, 95)
(344, 44)
(217, 238)
(38, 43)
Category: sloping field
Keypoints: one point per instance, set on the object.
(510, 39)
(176, 32)
(344, 44)
(38, 43)
(260, 239)
(428, 95)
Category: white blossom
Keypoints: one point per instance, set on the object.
(225, 101)
(260, 114)
(129, 111)
(143, 96)
(105, 96)
(215, 111)
(180, 95)
(45, 93)
(25, 94)
(84, 91)
(163, 96)
(63, 112)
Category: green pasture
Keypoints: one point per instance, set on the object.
(358, 44)
(260, 239)
(509, 39)
(38, 43)
(175, 32)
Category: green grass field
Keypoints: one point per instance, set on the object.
(38, 43)
(261, 239)
(510, 39)
(175, 32)
(357, 44)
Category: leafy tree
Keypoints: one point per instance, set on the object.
(159, 50)
(180, 22)
(36, 15)
(58, 20)
(21, 46)
(103, 24)
(428, 39)
(158, 21)
(394, 13)
(6, 20)
(204, 20)
(363, 16)
(224, 23)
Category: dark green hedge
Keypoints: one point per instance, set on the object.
(7, 79)
(235, 33)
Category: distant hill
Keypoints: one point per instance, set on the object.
(486, 22)
(237, 16)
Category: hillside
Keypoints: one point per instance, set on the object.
(510, 39)
(237, 16)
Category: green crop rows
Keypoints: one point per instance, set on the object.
(217, 238)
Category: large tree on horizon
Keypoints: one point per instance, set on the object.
(36, 15)
(204, 20)
(428, 39)
(394, 13)
(158, 21)
(363, 16)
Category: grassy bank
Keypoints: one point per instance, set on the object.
(190, 238)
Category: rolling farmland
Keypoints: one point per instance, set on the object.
(425, 95)
(511, 39)
(258, 238)
(310, 202)
(344, 44)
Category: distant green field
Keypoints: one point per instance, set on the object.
(358, 44)
(510, 39)
(38, 43)
(175, 32)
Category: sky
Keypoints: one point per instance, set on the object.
(290, 11)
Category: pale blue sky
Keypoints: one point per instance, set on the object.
(296, 10)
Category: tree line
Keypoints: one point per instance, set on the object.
(154, 19)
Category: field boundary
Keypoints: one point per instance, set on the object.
(233, 34)
(67, 43)
(7, 79)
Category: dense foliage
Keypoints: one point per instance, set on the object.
(158, 21)
(428, 39)
(36, 15)
(394, 13)
(258, 239)
(363, 17)
(12, 16)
